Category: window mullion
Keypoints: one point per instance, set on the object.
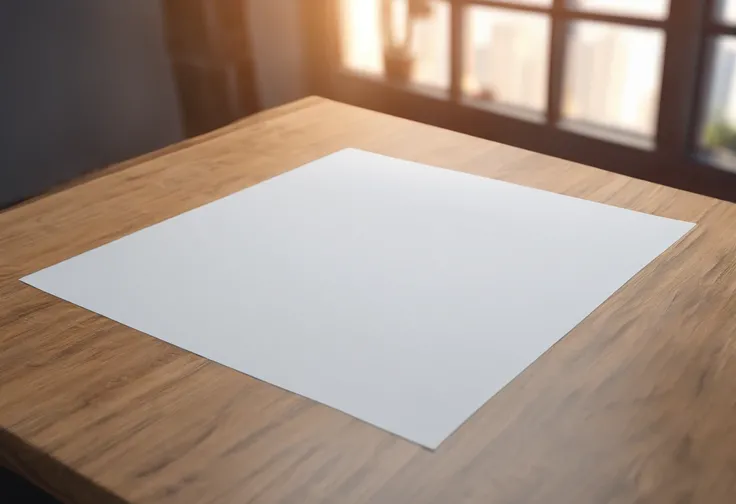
(457, 38)
(683, 50)
(557, 45)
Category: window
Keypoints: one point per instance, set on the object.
(360, 24)
(643, 87)
(612, 70)
(718, 135)
(718, 124)
(612, 80)
(506, 58)
(416, 51)
(726, 11)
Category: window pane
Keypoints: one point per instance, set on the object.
(506, 57)
(360, 26)
(726, 11)
(719, 128)
(431, 47)
(658, 9)
(612, 77)
(424, 57)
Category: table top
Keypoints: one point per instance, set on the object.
(636, 404)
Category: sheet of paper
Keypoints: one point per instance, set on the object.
(402, 294)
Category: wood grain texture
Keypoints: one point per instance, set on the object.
(636, 405)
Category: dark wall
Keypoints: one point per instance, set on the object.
(83, 84)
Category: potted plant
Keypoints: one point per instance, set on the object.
(398, 58)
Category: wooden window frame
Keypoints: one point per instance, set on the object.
(674, 160)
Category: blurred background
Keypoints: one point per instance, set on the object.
(640, 87)
(89, 83)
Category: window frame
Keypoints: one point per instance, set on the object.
(675, 159)
(712, 28)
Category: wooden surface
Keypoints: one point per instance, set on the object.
(636, 405)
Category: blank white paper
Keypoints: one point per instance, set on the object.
(402, 294)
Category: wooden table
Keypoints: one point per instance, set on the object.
(636, 405)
